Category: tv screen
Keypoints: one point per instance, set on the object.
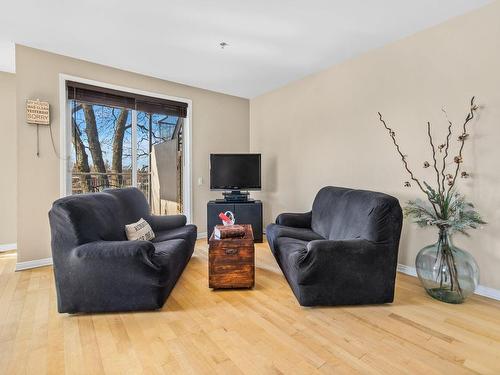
(235, 172)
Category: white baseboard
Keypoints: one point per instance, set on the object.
(33, 264)
(486, 291)
(407, 270)
(8, 247)
(481, 290)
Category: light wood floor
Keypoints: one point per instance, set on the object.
(260, 331)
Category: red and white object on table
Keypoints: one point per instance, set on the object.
(227, 218)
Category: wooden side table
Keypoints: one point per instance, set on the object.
(231, 261)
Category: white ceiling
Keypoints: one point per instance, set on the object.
(271, 42)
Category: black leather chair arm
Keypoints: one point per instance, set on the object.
(295, 220)
(166, 222)
(113, 251)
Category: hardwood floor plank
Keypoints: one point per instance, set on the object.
(36, 361)
(90, 347)
(18, 325)
(55, 339)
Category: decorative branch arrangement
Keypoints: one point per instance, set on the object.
(448, 209)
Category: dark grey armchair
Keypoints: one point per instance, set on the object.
(96, 269)
(344, 251)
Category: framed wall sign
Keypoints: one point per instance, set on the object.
(37, 112)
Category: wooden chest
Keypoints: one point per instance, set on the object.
(231, 261)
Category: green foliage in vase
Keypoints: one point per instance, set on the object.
(445, 207)
(456, 214)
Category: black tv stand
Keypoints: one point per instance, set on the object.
(236, 196)
(248, 212)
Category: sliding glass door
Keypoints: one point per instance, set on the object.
(115, 146)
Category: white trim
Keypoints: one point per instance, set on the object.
(481, 290)
(407, 270)
(8, 247)
(65, 144)
(33, 264)
(486, 291)
(64, 141)
(187, 141)
(134, 148)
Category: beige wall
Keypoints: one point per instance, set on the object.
(220, 124)
(323, 130)
(8, 182)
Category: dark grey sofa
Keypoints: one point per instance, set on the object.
(344, 251)
(96, 269)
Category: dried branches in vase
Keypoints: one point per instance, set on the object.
(448, 273)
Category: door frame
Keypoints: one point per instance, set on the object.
(65, 139)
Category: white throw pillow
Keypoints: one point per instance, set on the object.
(139, 231)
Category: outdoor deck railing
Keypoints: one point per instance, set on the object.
(83, 182)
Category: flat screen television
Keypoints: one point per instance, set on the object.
(235, 172)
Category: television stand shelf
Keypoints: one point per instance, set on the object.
(249, 212)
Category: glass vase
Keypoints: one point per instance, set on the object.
(448, 274)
